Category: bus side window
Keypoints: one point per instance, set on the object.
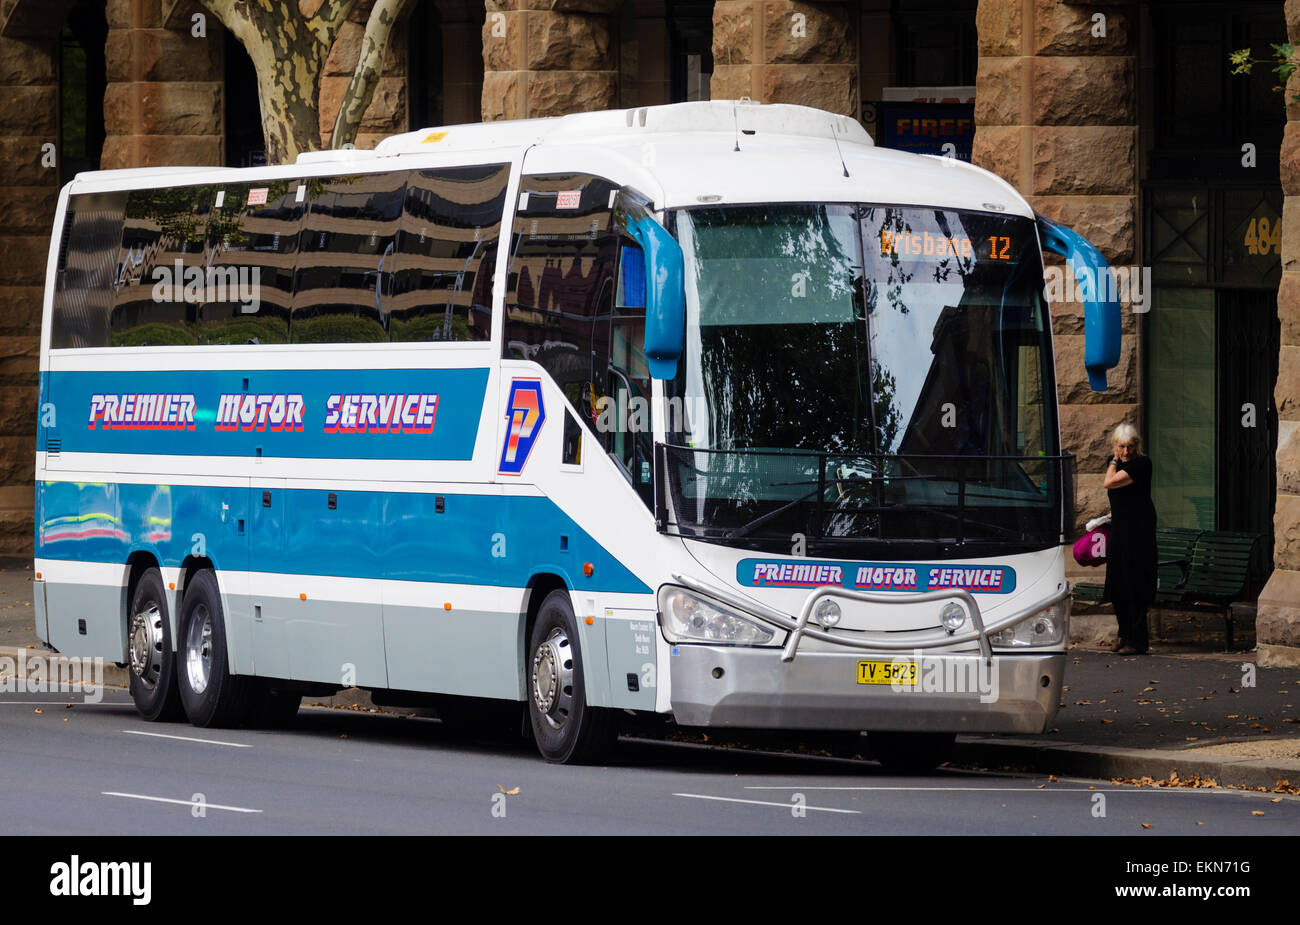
(561, 281)
(88, 264)
(254, 244)
(446, 254)
(160, 279)
(343, 273)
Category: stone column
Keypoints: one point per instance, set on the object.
(29, 186)
(548, 58)
(1055, 115)
(1277, 623)
(164, 102)
(779, 51)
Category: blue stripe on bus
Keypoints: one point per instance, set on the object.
(477, 539)
(394, 413)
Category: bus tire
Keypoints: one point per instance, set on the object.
(152, 657)
(212, 696)
(911, 752)
(566, 728)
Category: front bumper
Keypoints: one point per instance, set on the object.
(754, 688)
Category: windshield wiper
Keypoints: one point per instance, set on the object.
(746, 529)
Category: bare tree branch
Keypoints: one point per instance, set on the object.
(370, 63)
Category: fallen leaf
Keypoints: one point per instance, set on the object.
(1052, 778)
(508, 793)
(1256, 812)
(1146, 825)
(39, 710)
(1276, 800)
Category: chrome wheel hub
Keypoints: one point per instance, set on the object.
(552, 678)
(198, 650)
(147, 645)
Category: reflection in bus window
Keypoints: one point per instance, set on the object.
(161, 281)
(350, 237)
(450, 226)
(254, 237)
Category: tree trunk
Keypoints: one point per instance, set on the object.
(288, 52)
(361, 89)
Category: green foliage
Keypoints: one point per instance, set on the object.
(1283, 61)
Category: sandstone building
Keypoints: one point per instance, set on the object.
(1118, 118)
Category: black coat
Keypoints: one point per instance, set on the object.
(1131, 550)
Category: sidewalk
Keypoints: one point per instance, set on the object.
(1185, 709)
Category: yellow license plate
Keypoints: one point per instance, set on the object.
(902, 674)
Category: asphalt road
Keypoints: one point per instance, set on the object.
(99, 769)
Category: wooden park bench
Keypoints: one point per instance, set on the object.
(1197, 570)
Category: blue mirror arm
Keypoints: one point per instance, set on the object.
(1102, 317)
(665, 295)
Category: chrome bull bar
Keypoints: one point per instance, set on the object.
(798, 628)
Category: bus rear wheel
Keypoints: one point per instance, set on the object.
(211, 694)
(152, 655)
(566, 728)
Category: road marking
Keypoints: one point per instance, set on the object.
(818, 809)
(1031, 789)
(163, 735)
(141, 796)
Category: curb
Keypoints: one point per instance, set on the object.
(114, 675)
(1105, 763)
(1035, 755)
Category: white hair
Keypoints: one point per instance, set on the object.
(1126, 435)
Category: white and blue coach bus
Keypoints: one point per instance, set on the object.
(712, 411)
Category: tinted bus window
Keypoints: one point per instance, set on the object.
(88, 252)
(349, 240)
(160, 279)
(254, 246)
(562, 280)
(450, 226)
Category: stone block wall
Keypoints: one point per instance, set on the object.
(164, 104)
(1277, 623)
(1056, 116)
(780, 51)
(548, 58)
(29, 107)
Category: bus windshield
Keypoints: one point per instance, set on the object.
(859, 374)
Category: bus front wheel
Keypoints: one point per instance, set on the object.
(153, 657)
(566, 728)
(211, 694)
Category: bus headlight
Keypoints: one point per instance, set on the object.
(1044, 628)
(689, 617)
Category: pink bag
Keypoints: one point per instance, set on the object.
(1090, 549)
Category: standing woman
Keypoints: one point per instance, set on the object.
(1131, 552)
